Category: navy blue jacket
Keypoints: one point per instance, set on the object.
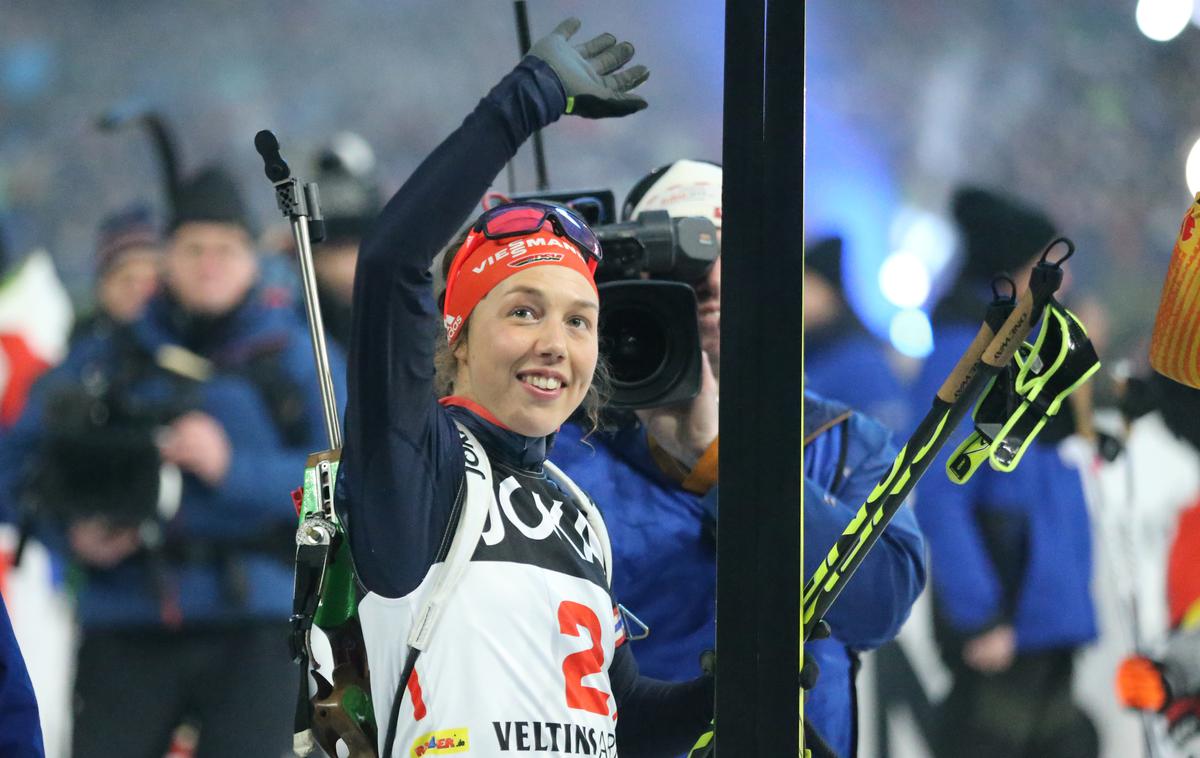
(20, 730)
(1005, 548)
(402, 464)
(665, 562)
(251, 507)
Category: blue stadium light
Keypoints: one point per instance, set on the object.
(911, 333)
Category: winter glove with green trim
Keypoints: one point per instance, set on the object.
(591, 73)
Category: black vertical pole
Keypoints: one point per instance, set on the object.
(524, 43)
(759, 574)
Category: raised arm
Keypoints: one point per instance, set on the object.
(402, 464)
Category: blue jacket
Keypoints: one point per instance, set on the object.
(20, 730)
(665, 562)
(1005, 548)
(249, 518)
(854, 369)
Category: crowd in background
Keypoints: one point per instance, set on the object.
(1040, 582)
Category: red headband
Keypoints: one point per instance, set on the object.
(480, 264)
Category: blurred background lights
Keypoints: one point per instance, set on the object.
(1163, 20)
(923, 245)
(911, 334)
(904, 279)
(1192, 168)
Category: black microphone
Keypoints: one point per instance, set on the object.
(268, 147)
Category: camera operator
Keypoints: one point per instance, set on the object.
(657, 478)
(185, 589)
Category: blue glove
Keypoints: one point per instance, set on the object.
(590, 74)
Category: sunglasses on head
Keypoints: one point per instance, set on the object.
(520, 219)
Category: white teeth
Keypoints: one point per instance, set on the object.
(542, 382)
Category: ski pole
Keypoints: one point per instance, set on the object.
(993, 347)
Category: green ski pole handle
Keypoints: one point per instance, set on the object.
(989, 352)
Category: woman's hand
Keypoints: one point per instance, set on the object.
(589, 72)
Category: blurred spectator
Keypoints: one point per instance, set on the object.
(168, 449)
(1169, 682)
(655, 476)
(1145, 475)
(842, 359)
(350, 202)
(1010, 553)
(128, 268)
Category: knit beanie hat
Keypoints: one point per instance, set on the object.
(128, 229)
(210, 196)
(999, 232)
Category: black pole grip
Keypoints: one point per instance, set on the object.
(273, 164)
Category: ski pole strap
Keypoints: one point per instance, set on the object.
(1057, 364)
(1019, 401)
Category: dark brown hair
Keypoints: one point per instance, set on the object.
(445, 365)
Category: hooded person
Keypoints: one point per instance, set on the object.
(187, 581)
(842, 358)
(656, 476)
(1010, 553)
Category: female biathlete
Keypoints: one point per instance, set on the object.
(527, 655)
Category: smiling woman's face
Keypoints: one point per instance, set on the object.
(531, 349)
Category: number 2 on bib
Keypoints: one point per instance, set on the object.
(572, 616)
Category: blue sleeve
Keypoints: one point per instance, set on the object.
(877, 600)
(20, 729)
(967, 587)
(402, 464)
(657, 718)
(263, 470)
